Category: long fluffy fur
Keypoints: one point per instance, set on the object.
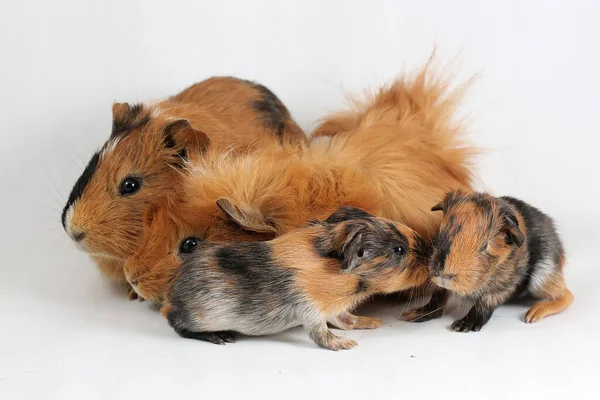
(395, 155)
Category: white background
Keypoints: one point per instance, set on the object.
(67, 333)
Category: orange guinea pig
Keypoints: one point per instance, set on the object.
(403, 153)
(145, 152)
(489, 250)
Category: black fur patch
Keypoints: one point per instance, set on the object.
(273, 113)
(422, 248)
(539, 227)
(244, 259)
(133, 120)
(442, 243)
(482, 203)
(80, 185)
(345, 213)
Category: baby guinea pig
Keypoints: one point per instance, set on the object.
(491, 249)
(151, 267)
(310, 276)
(144, 155)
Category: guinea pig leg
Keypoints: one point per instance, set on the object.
(559, 298)
(220, 337)
(348, 321)
(475, 319)
(432, 310)
(322, 336)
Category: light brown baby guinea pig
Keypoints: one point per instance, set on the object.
(143, 158)
(151, 267)
(489, 250)
(310, 276)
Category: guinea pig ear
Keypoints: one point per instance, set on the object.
(127, 117)
(438, 207)
(353, 251)
(120, 112)
(246, 217)
(345, 213)
(181, 134)
(513, 232)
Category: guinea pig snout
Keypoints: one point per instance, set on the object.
(78, 236)
(443, 279)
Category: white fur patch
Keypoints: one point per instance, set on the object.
(110, 146)
(68, 217)
(542, 272)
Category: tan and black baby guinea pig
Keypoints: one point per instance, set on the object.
(310, 276)
(489, 250)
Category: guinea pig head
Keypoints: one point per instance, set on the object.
(477, 233)
(141, 160)
(150, 269)
(387, 256)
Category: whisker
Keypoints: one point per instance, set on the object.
(423, 315)
(56, 186)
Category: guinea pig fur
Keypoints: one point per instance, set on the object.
(404, 152)
(310, 276)
(491, 249)
(145, 152)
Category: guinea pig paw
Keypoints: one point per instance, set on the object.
(367, 322)
(336, 343)
(132, 294)
(347, 321)
(219, 337)
(467, 324)
(536, 313)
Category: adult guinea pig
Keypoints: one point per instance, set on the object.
(310, 276)
(490, 249)
(146, 149)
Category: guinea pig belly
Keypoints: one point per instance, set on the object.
(255, 323)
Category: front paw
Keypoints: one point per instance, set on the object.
(422, 314)
(467, 324)
(132, 294)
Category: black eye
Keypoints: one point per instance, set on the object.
(130, 185)
(188, 244)
(399, 250)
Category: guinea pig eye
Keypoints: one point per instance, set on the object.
(188, 244)
(130, 185)
(399, 250)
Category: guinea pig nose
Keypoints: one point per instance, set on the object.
(78, 236)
